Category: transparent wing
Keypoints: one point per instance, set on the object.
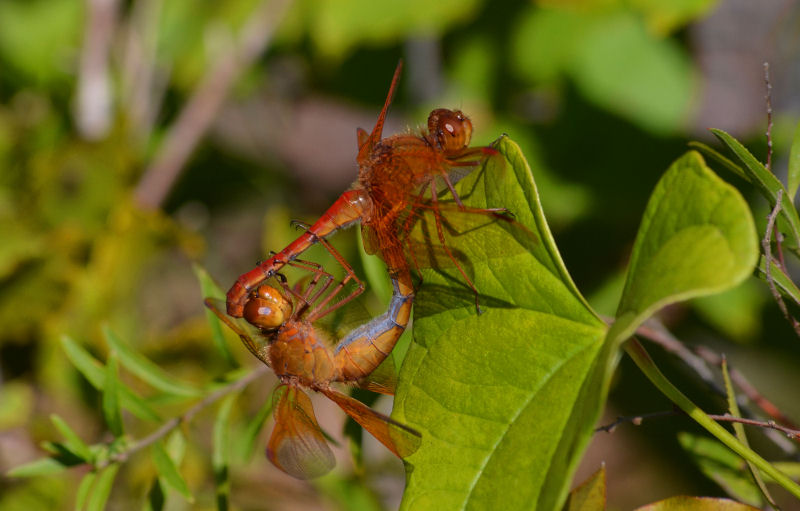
(297, 445)
(398, 438)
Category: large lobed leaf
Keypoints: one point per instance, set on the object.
(493, 394)
(506, 401)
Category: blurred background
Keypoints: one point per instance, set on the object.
(139, 137)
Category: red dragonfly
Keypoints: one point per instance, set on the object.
(397, 182)
(278, 330)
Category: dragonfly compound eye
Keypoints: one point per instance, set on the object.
(267, 308)
(451, 129)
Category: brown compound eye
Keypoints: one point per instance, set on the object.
(267, 308)
(450, 129)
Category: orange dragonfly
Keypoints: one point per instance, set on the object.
(277, 328)
(399, 179)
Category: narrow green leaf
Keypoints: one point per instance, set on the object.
(767, 184)
(111, 410)
(479, 388)
(221, 450)
(683, 503)
(697, 237)
(793, 180)
(642, 359)
(94, 372)
(102, 488)
(591, 494)
(40, 467)
(156, 497)
(738, 429)
(721, 159)
(147, 370)
(168, 471)
(72, 440)
(783, 282)
(83, 490)
(247, 441)
(210, 289)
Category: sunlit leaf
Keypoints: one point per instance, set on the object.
(219, 458)
(145, 369)
(168, 471)
(793, 180)
(40, 467)
(591, 494)
(696, 504)
(102, 488)
(72, 440)
(111, 386)
(697, 237)
(82, 494)
(93, 371)
(499, 397)
(767, 184)
(247, 440)
(210, 289)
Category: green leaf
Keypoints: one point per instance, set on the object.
(738, 429)
(697, 237)
(102, 488)
(783, 282)
(111, 410)
(168, 471)
(721, 159)
(767, 184)
(626, 69)
(145, 369)
(499, 397)
(93, 371)
(722, 466)
(82, 494)
(72, 441)
(591, 494)
(793, 180)
(696, 504)
(210, 289)
(247, 440)
(219, 458)
(41, 467)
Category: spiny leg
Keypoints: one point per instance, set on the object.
(440, 233)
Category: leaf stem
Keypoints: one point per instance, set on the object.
(642, 359)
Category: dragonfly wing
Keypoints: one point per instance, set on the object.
(297, 445)
(402, 440)
(253, 339)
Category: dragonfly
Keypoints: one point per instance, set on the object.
(399, 180)
(278, 329)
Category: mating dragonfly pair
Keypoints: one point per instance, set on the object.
(398, 201)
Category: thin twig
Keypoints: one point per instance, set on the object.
(636, 420)
(699, 362)
(196, 116)
(766, 246)
(769, 115)
(187, 416)
(93, 109)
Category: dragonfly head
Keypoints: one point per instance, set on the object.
(451, 130)
(267, 308)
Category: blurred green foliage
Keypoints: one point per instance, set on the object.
(599, 94)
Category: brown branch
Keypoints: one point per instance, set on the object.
(204, 103)
(766, 246)
(187, 417)
(637, 420)
(699, 362)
